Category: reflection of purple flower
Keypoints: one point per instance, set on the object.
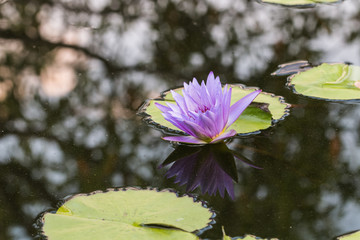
(204, 111)
(202, 169)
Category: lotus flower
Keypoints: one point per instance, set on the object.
(204, 111)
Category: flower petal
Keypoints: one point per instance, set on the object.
(193, 89)
(184, 139)
(191, 103)
(174, 107)
(217, 121)
(223, 136)
(205, 96)
(237, 108)
(214, 87)
(180, 101)
(208, 124)
(226, 103)
(198, 130)
(211, 84)
(179, 124)
(162, 107)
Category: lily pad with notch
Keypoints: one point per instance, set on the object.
(329, 81)
(129, 213)
(266, 110)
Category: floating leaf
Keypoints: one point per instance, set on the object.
(225, 237)
(246, 237)
(127, 214)
(328, 81)
(252, 237)
(291, 68)
(256, 117)
(350, 236)
(299, 3)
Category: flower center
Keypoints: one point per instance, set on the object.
(203, 109)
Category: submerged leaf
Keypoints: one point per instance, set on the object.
(127, 214)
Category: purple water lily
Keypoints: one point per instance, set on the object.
(204, 111)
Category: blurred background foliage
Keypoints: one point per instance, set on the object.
(73, 73)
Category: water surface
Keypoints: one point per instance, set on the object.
(73, 74)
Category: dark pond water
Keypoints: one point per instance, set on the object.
(73, 73)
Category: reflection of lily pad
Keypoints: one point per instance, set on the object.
(253, 119)
(299, 3)
(350, 236)
(127, 214)
(328, 81)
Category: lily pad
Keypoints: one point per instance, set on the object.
(127, 214)
(252, 237)
(291, 68)
(225, 237)
(246, 237)
(299, 3)
(350, 236)
(251, 121)
(328, 81)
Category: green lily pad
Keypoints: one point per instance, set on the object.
(225, 237)
(246, 237)
(127, 214)
(299, 3)
(351, 236)
(252, 237)
(251, 121)
(328, 81)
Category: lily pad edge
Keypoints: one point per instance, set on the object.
(40, 219)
